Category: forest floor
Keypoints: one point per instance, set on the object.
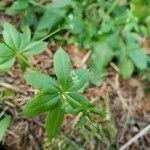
(129, 103)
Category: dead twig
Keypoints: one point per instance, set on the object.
(3, 112)
(85, 58)
(116, 87)
(136, 137)
(128, 116)
(76, 120)
(115, 67)
(9, 86)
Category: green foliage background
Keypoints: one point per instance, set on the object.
(111, 29)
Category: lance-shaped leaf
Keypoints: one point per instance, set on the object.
(71, 110)
(73, 103)
(6, 55)
(5, 51)
(54, 121)
(42, 82)
(80, 78)
(82, 100)
(100, 59)
(7, 65)
(56, 16)
(4, 123)
(11, 36)
(62, 67)
(17, 6)
(25, 38)
(41, 103)
(126, 68)
(4, 59)
(138, 57)
(34, 48)
(135, 51)
(98, 111)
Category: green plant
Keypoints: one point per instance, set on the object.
(61, 96)
(17, 45)
(107, 28)
(110, 29)
(4, 123)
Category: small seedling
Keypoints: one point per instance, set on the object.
(61, 96)
(17, 45)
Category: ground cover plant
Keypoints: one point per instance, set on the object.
(56, 98)
(17, 46)
(109, 42)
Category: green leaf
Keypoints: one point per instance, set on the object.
(41, 103)
(135, 51)
(100, 59)
(27, 32)
(81, 123)
(5, 51)
(42, 82)
(73, 103)
(17, 6)
(80, 78)
(82, 100)
(11, 36)
(138, 57)
(50, 19)
(126, 68)
(54, 121)
(60, 3)
(98, 111)
(5, 55)
(7, 65)
(34, 48)
(62, 67)
(104, 54)
(4, 123)
(25, 38)
(23, 64)
(71, 110)
(77, 26)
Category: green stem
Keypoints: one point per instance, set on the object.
(93, 122)
(112, 7)
(28, 63)
(51, 34)
(36, 4)
(106, 105)
(98, 129)
(99, 112)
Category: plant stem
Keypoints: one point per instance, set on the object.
(93, 121)
(112, 7)
(51, 34)
(28, 63)
(36, 4)
(98, 128)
